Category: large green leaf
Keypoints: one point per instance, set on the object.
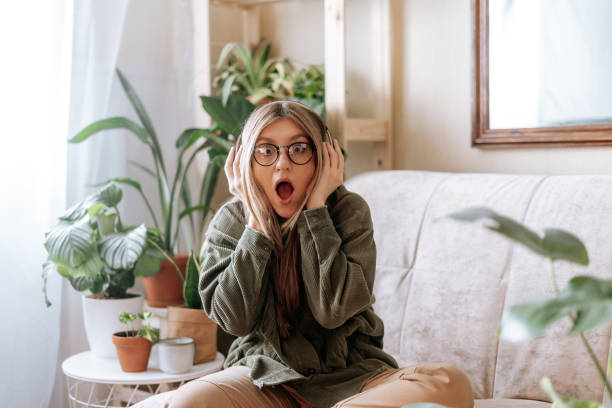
(560, 244)
(110, 195)
(122, 278)
(227, 88)
(121, 250)
(192, 277)
(556, 244)
(188, 138)
(587, 297)
(70, 243)
(137, 104)
(84, 276)
(230, 117)
(149, 262)
(108, 124)
(190, 210)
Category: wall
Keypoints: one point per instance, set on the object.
(432, 46)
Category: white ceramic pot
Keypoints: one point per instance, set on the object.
(176, 354)
(101, 317)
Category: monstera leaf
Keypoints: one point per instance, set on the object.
(588, 298)
(555, 244)
(121, 250)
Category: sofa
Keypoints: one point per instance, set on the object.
(442, 286)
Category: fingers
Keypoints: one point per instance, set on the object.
(236, 165)
(228, 164)
(339, 154)
(333, 157)
(232, 171)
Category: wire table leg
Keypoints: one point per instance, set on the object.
(110, 394)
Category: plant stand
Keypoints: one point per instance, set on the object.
(99, 382)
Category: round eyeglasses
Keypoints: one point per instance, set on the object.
(300, 153)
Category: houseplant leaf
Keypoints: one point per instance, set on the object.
(556, 244)
(110, 195)
(190, 289)
(83, 276)
(108, 124)
(589, 298)
(69, 243)
(137, 105)
(121, 250)
(149, 263)
(106, 223)
(560, 244)
(230, 117)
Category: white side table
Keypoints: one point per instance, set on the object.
(99, 382)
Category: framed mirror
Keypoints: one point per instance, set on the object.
(542, 73)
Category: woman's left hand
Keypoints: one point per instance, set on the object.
(332, 172)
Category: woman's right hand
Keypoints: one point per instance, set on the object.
(234, 179)
(232, 172)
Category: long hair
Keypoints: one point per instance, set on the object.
(286, 256)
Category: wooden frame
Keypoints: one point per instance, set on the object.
(483, 136)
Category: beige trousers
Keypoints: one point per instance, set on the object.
(232, 388)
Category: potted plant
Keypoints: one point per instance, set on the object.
(250, 73)
(176, 200)
(134, 345)
(92, 248)
(191, 320)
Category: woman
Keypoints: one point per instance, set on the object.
(288, 267)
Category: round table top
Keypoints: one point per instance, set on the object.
(86, 367)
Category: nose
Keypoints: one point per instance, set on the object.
(283, 161)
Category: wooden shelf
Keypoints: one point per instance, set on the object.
(348, 129)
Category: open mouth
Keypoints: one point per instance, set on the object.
(284, 190)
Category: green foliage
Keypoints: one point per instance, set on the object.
(586, 300)
(555, 244)
(251, 74)
(146, 331)
(191, 294)
(92, 249)
(174, 194)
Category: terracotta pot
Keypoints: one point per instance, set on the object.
(100, 318)
(165, 288)
(133, 352)
(194, 323)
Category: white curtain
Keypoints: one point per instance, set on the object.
(162, 48)
(57, 76)
(35, 41)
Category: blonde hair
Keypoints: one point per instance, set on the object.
(286, 279)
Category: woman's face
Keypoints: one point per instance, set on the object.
(284, 182)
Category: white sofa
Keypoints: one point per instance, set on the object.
(441, 286)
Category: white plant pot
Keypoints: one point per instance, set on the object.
(176, 354)
(101, 317)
